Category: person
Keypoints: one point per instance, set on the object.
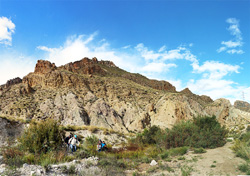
(104, 146)
(66, 140)
(99, 145)
(73, 142)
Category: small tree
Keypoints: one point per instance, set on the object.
(42, 136)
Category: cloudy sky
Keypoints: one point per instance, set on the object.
(202, 45)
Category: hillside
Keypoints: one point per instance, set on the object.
(98, 93)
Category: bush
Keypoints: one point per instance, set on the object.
(164, 155)
(242, 146)
(205, 132)
(149, 136)
(42, 137)
(245, 168)
(178, 151)
(13, 156)
(199, 150)
(90, 144)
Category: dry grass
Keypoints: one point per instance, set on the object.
(13, 119)
(93, 129)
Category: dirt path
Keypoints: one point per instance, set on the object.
(219, 161)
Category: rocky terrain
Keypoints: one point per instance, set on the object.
(220, 161)
(98, 93)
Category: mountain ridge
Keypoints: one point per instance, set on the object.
(98, 93)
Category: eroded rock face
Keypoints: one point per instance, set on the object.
(10, 130)
(66, 109)
(102, 115)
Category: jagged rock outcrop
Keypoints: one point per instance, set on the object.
(85, 66)
(13, 81)
(242, 105)
(159, 85)
(43, 67)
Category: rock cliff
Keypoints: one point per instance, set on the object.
(98, 93)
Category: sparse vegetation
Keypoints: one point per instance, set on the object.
(242, 149)
(186, 170)
(199, 150)
(40, 144)
(242, 146)
(245, 168)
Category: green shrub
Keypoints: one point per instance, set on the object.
(145, 159)
(186, 170)
(178, 151)
(149, 136)
(205, 132)
(164, 155)
(90, 144)
(42, 137)
(29, 158)
(245, 137)
(181, 158)
(72, 169)
(248, 128)
(245, 168)
(242, 149)
(199, 150)
(13, 157)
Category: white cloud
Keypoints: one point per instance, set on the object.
(163, 48)
(219, 88)
(163, 54)
(14, 65)
(126, 47)
(223, 48)
(231, 44)
(7, 28)
(157, 67)
(234, 27)
(147, 54)
(215, 69)
(177, 83)
(213, 82)
(191, 44)
(236, 42)
(211, 79)
(232, 51)
(77, 47)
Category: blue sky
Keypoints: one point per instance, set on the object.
(203, 45)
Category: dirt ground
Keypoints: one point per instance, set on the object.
(220, 161)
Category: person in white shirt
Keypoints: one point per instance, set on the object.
(73, 142)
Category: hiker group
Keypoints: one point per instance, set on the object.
(101, 146)
(71, 142)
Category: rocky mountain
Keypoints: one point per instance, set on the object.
(98, 93)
